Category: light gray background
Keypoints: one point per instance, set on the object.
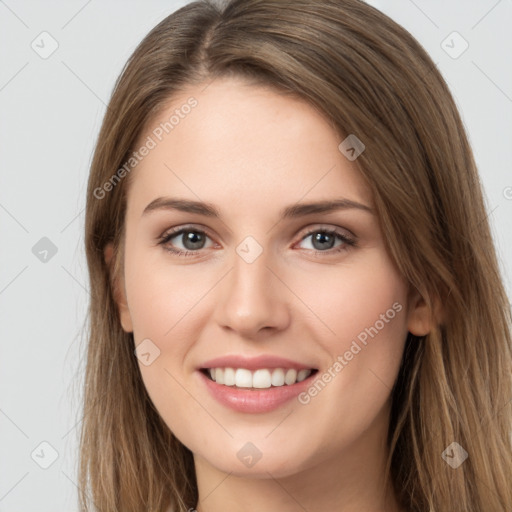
(50, 114)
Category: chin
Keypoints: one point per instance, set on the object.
(249, 461)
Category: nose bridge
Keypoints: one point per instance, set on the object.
(251, 298)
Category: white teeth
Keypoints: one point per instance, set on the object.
(302, 374)
(261, 379)
(229, 377)
(278, 377)
(290, 377)
(243, 378)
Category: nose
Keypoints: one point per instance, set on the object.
(252, 299)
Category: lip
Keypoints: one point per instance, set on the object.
(254, 401)
(253, 363)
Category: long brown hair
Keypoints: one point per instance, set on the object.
(371, 78)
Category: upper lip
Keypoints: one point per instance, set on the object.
(254, 363)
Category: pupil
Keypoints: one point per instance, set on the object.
(320, 237)
(194, 239)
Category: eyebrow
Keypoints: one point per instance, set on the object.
(290, 212)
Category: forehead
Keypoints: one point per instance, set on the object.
(237, 144)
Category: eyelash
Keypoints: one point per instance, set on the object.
(164, 239)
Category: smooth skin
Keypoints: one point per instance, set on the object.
(251, 152)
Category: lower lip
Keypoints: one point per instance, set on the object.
(254, 400)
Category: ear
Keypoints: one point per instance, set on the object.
(420, 316)
(118, 289)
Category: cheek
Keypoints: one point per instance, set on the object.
(164, 301)
(160, 295)
(354, 301)
(367, 328)
(167, 306)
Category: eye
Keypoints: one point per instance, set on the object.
(192, 240)
(324, 240)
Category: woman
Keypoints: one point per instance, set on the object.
(296, 302)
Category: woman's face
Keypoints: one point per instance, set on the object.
(270, 289)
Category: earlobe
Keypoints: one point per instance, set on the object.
(118, 288)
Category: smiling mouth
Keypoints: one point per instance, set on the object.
(263, 378)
